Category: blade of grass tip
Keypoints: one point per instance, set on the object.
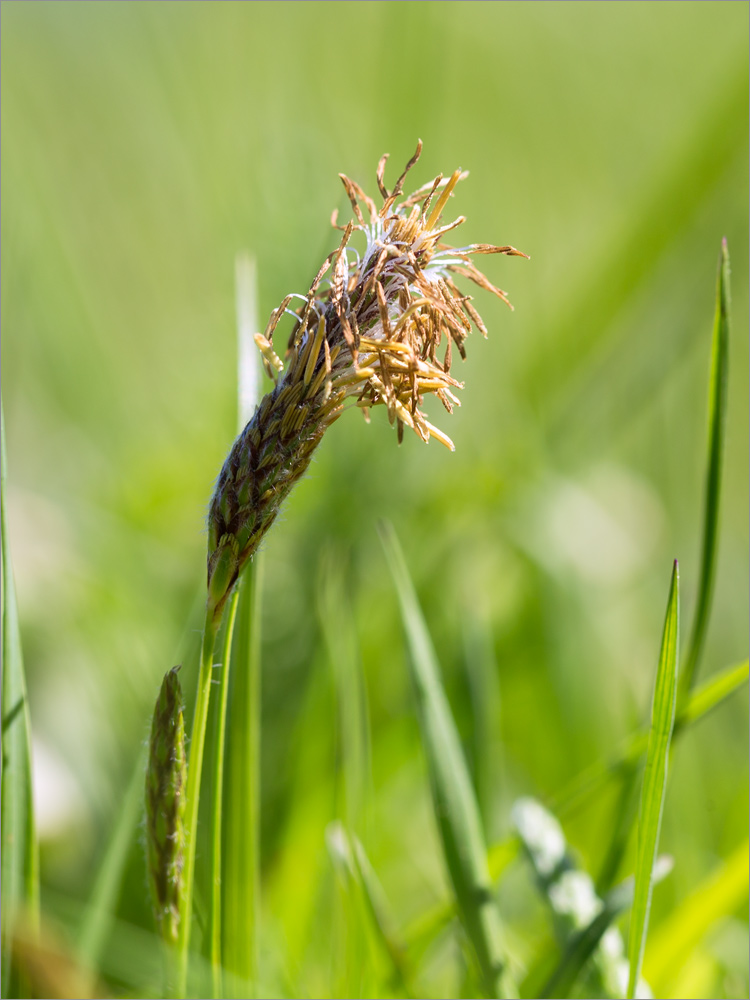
(351, 861)
(455, 804)
(654, 781)
(20, 850)
(717, 412)
(239, 881)
(720, 895)
(218, 790)
(354, 967)
(192, 794)
(382, 917)
(241, 875)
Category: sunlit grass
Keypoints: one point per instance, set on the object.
(145, 145)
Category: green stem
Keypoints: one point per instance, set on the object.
(218, 789)
(192, 797)
(242, 818)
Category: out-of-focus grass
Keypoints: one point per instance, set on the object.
(144, 145)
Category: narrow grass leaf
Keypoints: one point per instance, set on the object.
(20, 851)
(654, 781)
(350, 859)
(192, 796)
(98, 914)
(217, 803)
(241, 876)
(717, 413)
(573, 901)
(247, 397)
(710, 695)
(453, 796)
(585, 942)
(720, 895)
(481, 670)
(336, 619)
(621, 825)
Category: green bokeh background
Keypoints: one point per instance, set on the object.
(144, 146)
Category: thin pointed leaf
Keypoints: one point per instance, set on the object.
(654, 781)
(582, 945)
(717, 412)
(720, 895)
(337, 625)
(241, 876)
(351, 862)
(712, 693)
(244, 809)
(217, 805)
(453, 796)
(20, 852)
(98, 915)
(580, 917)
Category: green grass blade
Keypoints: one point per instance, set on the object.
(337, 625)
(717, 412)
(720, 895)
(453, 796)
(580, 917)
(351, 862)
(241, 805)
(654, 781)
(584, 944)
(711, 694)
(99, 913)
(192, 795)
(481, 671)
(20, 851)
(241, 875)
(218, 791)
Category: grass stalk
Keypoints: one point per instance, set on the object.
(20, 849)
(192, 797)
(218, 791)
(654, 781)
(454, 801)
(99, 914)
(717, 412)
(241, 877)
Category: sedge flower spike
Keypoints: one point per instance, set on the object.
(368, 331)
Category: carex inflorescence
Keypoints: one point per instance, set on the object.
(369, 330)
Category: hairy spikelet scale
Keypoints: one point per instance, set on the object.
(369, 333)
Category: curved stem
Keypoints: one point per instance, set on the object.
(192, 795)
(218, 789)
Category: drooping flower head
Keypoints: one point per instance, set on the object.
(378, 326)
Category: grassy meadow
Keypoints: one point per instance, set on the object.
(478, 632)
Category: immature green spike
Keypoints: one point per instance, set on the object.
(166, 776)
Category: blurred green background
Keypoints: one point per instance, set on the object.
(143, 146)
